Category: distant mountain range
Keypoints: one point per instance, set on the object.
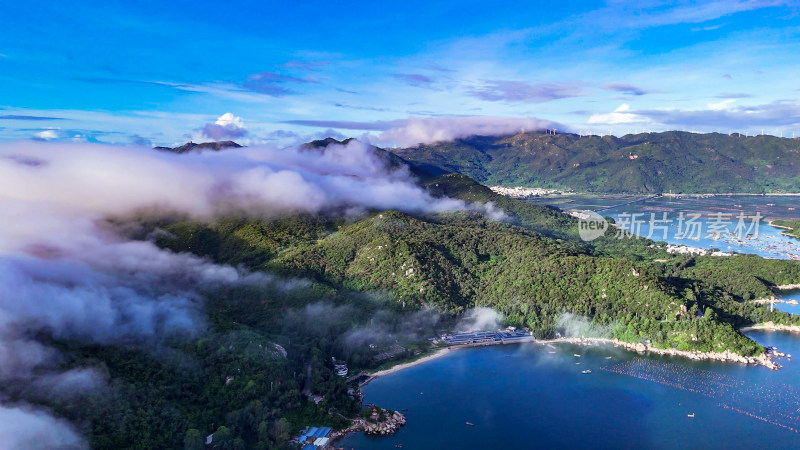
(675, 161)
(191, 146)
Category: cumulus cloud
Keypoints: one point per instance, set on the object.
(46, 135)
(622, 114)
(227, 126)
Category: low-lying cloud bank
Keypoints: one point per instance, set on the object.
(426, 130)
(23, 427)
(417, 130)
(67, 273)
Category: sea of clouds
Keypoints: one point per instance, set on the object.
(66, 272)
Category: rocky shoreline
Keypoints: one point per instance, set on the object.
(393, 421)
(727, 356)
(771, 326)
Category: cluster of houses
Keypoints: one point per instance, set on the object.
(314, 438)
(509, 335)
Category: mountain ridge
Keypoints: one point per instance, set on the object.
(676, 161)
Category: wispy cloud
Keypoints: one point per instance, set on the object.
(416, 130)
(625, 88)
(361, 108)
(779, 113)
(651, 13)
(733, 95)
(271, 83)
(523, 91)
(310, 66)
(414, 79)
(345, 124)
(31, 118)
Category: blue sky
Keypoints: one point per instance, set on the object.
(165, 72)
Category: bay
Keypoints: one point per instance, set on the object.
(526, 397)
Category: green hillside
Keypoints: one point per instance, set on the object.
(352, 287)
(792, 227)
(533, 270)
(636, 163)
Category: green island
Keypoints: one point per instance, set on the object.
(369, 289)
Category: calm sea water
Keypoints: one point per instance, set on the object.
(711, 231)
(789, 295)
(523, 396)
(533, 396)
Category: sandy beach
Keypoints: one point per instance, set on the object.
(604, 341)
(424, 359)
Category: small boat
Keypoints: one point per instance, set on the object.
(551, 352)
(608, 357)
(690, 415)
(577, 363)
(586, 371)
(470, 424)
(576, 355)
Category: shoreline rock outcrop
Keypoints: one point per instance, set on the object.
(727, 356)
(393, 421)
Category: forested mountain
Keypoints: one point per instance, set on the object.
(350, 285)
(675, 161)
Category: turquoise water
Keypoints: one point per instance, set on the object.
(522, 396)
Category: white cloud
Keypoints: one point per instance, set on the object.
(725, 104)
(416, 130)
(25, 428)
(74, 277)
(228, 119)
(620, 115)
(227, 126)
(47, 134)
